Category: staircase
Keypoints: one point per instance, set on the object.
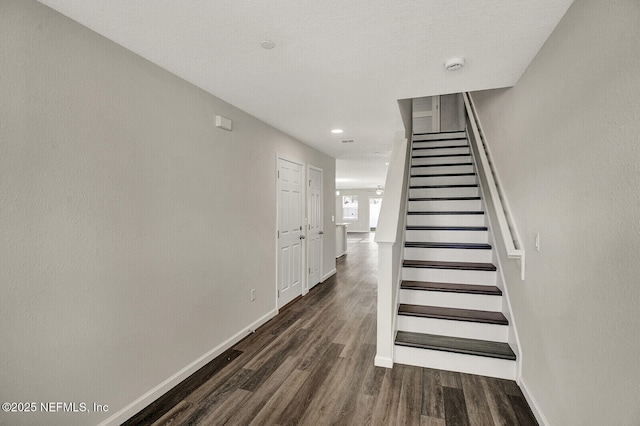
(450, 313)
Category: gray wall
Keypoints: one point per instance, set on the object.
(565, 143)
(131, 229)
(451, 113)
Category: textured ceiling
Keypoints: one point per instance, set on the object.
(335, 64)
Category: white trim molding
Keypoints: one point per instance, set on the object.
(329, 274)
(162, 388)
(533, 403)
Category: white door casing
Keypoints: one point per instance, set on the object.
(290, 236)
(315, 232)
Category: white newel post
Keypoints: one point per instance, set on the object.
(390, 239)
(384, 355)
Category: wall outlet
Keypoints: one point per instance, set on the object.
(253, 294)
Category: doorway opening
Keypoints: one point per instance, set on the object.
(374, 212)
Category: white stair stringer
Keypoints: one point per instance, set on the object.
(448, 267)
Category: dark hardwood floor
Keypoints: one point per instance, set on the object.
(313, 365)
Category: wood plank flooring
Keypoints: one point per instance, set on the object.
(313, 365)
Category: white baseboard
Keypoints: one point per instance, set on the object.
(329, 274)
(533, 403)
(383, 361)
(153, 394)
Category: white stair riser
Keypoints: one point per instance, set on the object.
(449, 276)
(445, 220)
(470, 364)
(445, 299)
(443, 180)
(445, 206)
(448, 254)
(437, 136)
(433, 152)
(443, 192)
(434, 144)
(447, 236)
(418, 170)
(430, 161)
(452, 328)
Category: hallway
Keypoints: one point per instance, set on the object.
(313, 365)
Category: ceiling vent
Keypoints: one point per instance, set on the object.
(347, 141)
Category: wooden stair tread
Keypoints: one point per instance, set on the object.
(454, 138)
(455, 314)
(466, 246)
(449, 212)
(446, 228)
(456, 344)
(451, 288)
(446, 199)
(443, 165)
(475, 185)
(445, 175)
(440, 155)
(415, 148)
(467, 266)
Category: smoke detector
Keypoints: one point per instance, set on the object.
(454, 64)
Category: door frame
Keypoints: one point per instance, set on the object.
(303, 260)
(308, 195)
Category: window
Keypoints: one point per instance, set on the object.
(350, 207)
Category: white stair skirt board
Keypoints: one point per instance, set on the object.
(438, 144)
(454, 328)
(432, 161)
(437, 236)
(471, 191)
(448, 255)
(470, 364)
(480, 302)
(449, 276)
(439, 136)
(445, 220)
(443, 180)
(445, 206)
(433, 170)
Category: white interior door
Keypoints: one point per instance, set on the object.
(315, 234)
(426, 115)
(290, 236)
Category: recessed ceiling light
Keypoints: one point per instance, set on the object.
(268, 44)
(337, 131)
(454, 64)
